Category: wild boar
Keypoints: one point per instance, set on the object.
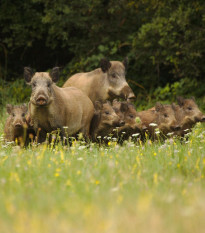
(16, 125)
(161, 117)
(104, 120)
(128, 113)
(104, 83)
(52, 107)
(187, 114)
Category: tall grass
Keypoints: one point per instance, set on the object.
(136, 187)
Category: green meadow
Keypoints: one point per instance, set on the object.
(136, 187)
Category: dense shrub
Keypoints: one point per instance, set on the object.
(163, 39)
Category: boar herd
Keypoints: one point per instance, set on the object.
(87, 104)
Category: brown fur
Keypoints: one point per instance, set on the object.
(16, 125)
(163, 116)
(128, 113)
(52, 107)
(187, 114)
(107, 82)
(104, 120)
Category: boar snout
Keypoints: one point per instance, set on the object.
(199, 119)
(203, 118)
(127, 93)
(18, 125)
(175, 127)
(116, 123)
(41, 100)
(122, 123)
(131, 96)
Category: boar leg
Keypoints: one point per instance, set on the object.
(41, 135)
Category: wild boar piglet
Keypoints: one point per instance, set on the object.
(16, 124)
(187, 113)
(104, 120)
(128, 113)
(161, 117)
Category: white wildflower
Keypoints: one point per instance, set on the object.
(80, 158)
(135, 134)
(115, 189)
(171, 133)
(152, 124)
(81, 147)
(185, 130)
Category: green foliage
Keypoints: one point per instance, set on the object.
(14, 92)
(164, 40)
(170, 45)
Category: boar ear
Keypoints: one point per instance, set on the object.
(108, 102)
(54, 73)
(123, 107)
(180, 101)
(28, 74)
(98, 105)
(193, 98)
(114, 101)
(24, 107)
(158, 106)
(174, 106)
(105, 65)
(125, 63)
(9, 108)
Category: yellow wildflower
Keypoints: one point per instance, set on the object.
(68, 183)
(97, 182)
(29, 162)
(184, 191)
(62, 155)
(155, 178)
(78, 172)
(119, 199)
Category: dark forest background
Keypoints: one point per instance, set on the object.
(163, 39)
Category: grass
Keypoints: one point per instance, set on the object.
(150, 187)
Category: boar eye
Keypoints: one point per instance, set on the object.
(189, 108)
(131, 116)
(23, 114)
(33, 84)
(107, 113)
(114, 75)
(165, 115)
(48, 84)
(13, 114)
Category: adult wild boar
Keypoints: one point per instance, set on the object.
(16, 125)
(104, 83)
(187, 113)
(126, 111)
(52, 107)
(161, 117)
(104, 120)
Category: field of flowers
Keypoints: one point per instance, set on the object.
(137, 187)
